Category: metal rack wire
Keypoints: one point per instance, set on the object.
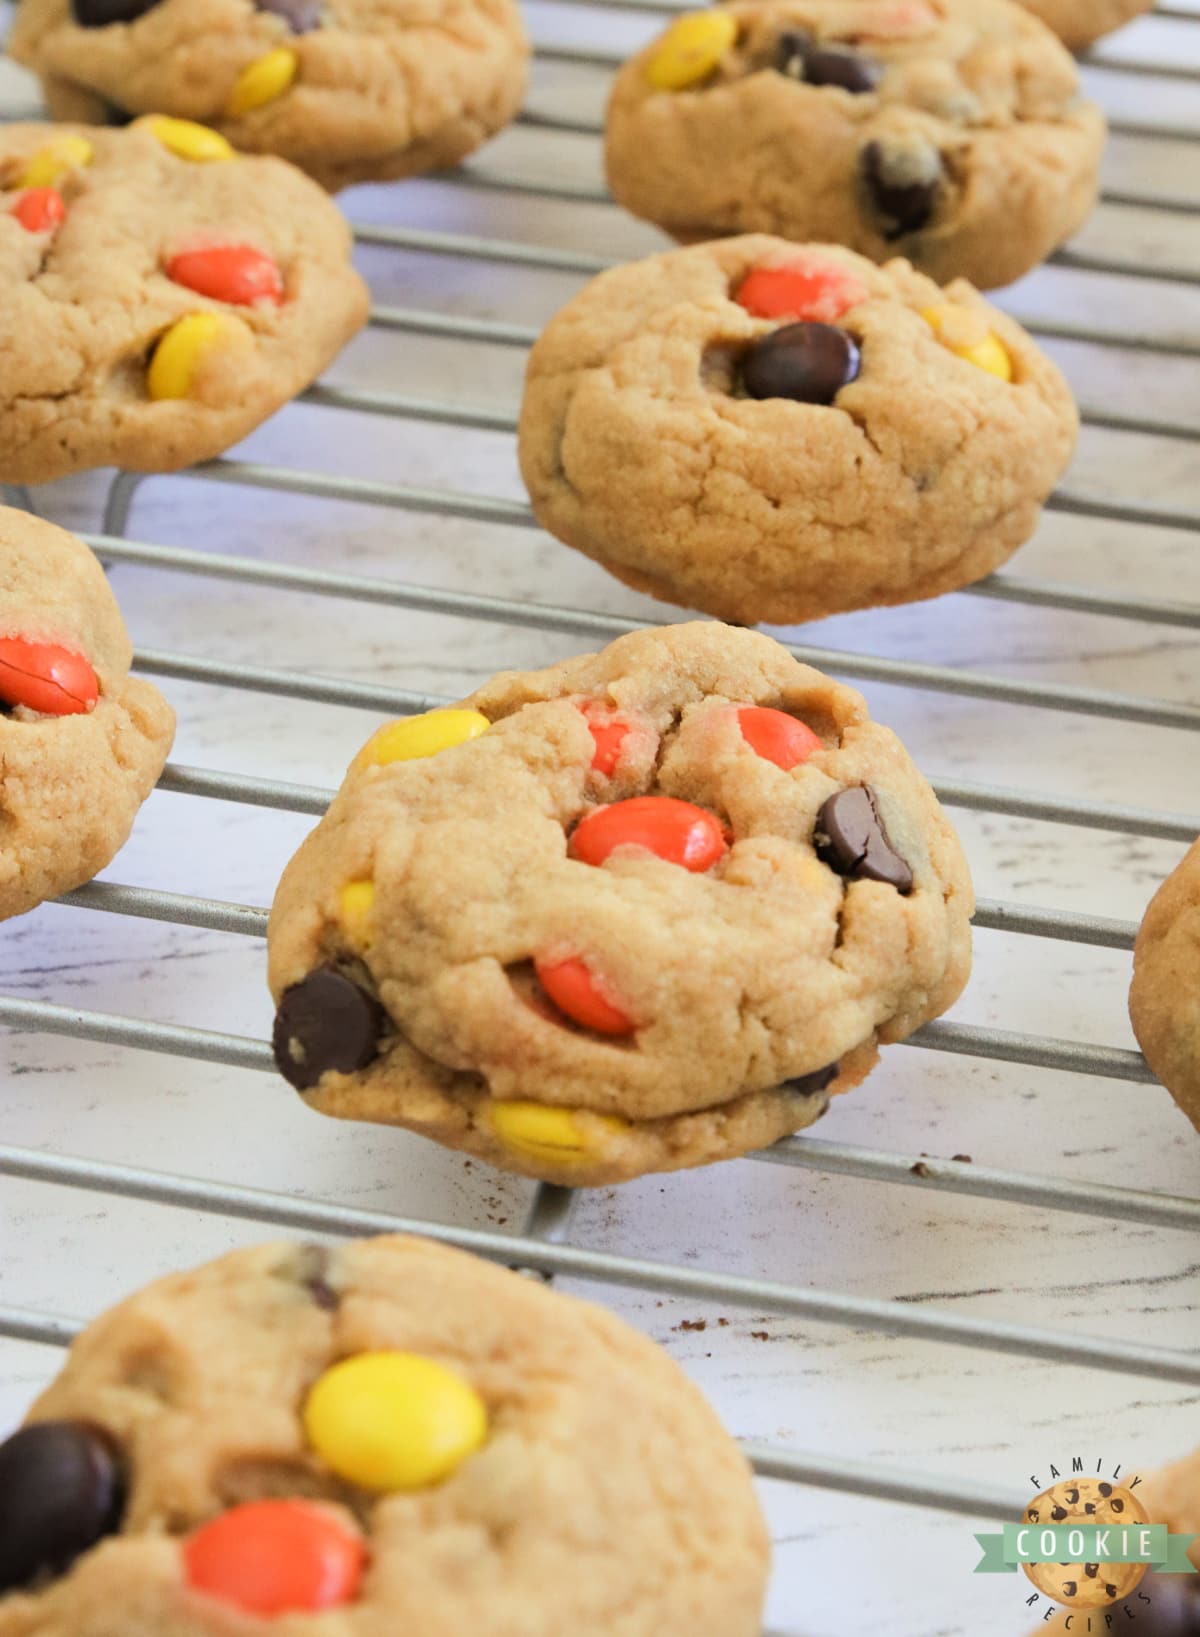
(545, 1245)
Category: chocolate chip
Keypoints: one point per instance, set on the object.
(61, 1490)
(1089, 1510)
(100, 13)
(1110, 1590)
(325, 1022)
(301, 16)
(1118, 1506)
(809, 363)
(1091, 1570)
(804, 1085)
(791, 50)
(1069, 1588)
(903, 184)
(1059, 1513)
(1073, 1496)
(831, 65)
(113, 115)
(1106, 1490)
(851, 839)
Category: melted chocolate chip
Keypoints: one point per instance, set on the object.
(325, 1022)
(61, 1490)
(903, 185)
(851, 839)
(809, 363)
(849, 70)
(804, 1085)
(100, 13)
(301, 16)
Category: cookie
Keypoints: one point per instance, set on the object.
(772, 432)
(349, 90)
(646, 909)
(385, 1438)
(159, 297)
(951, 132)
(81, 741)
(1086, 1585)
(1079, 22)
(1164, 1000)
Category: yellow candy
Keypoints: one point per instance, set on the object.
(172, 370)
(558, 1135)
(356, 907)
(416, 736)
(187, 140)
(51, 163)
(262, 81)
(690, 49)
(965, 335)
(389, 1421)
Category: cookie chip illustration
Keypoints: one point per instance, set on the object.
(160, 296)
(1079, 22)
(81, 741)
(646, 909)
(349, 90)
(951, 132)
(1088, 1500)
(1164, 1000)
(773, 432)
(389, 1437)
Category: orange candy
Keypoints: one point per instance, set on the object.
(40, 210)
(672, 830)
(608, 732)
(237, 273)
(46, 678)
(806, 287)
(573, 989)
(778, 737)
(275, 1557)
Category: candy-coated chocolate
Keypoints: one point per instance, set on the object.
(809, 363)
(804, 287)
(776, 736)
(237, 273)
(40, 210)
(691, 49)
(263, 81)
(51, 163)
(61, 1491)
(541, 1132)
(356, 909)
(903, 186)
(676, 831)
(325, 1022)
(275, 1557)
(182, 349)
(414, 737)
(100, 13)
(848, 70)
(608, 735)
(46, 677)
(850, 837)
(965, 334)
(394, 1421)
(573, 988)
(187, 140)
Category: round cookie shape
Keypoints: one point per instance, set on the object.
(234, 1516)
(175, 297)
(348, 90)
(939, 430)
(1086, 1500)
(82, 743)
(1164, 999)
(585, 972)
(953, 134)
(1079, 22)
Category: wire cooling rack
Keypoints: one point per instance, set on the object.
(544, 1244)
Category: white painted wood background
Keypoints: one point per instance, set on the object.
(842, 1564)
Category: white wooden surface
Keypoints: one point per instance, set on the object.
(842, 1564)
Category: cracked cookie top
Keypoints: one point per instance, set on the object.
(349, 90)
(637, 911)
(161, 296)
(948, 131)
(772, 432)
(81, 741)
(387, 1437)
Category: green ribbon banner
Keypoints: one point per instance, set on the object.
(1148, 1543)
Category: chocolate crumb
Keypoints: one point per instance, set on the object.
(692, 1324)
(963, 1159)
(920, 1169)
(761, 1335)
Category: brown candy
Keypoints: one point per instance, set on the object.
(904, 184)
(325, 1022)
(851, 839)
(849, 70)
(809, 363)
(61, 1491)
(805, 1085)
